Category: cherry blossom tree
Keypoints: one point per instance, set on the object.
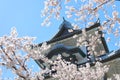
(11, 47)
(84, 13)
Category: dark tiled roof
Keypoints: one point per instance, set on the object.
(63, 33)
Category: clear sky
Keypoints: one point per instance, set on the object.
(25, 16)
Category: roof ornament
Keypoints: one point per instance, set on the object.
(66, 24)
(64, 19)
(98, 20)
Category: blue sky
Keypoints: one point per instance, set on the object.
(25, 16)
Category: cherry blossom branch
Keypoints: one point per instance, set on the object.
(105, 2)
(13, 66)
(20, 62)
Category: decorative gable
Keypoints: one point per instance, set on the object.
(64, 29)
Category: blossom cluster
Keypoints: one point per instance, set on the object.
(68, 71)
(11, 58)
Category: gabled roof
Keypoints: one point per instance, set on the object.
(63, 33)
(64, 29)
